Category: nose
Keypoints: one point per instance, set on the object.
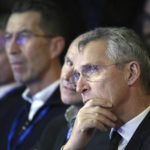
(12, 47)
(82, 85)
(68, 73)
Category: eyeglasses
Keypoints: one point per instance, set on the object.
(90, 72)
(23, 37)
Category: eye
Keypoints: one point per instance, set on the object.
(8, 37)
(24, 35)
(68, 62)
(90, 68)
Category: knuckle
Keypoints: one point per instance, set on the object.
(97, 109)
(96, 114)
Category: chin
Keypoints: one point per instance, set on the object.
(66, 102)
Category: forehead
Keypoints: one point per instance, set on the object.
(72, 50)
(94, 52)
(26, 20)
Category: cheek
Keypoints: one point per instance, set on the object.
(101, 88)
(117, 90)
(3, 59)
(62, 72)
(109, 86)
(71, 99)
(66, 72)
(37, 56)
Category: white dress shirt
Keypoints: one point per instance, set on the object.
(39, 99)
(128, 129)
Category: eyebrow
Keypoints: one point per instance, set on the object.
(25, 30)
(67, 58)
(88, 64)
(22, 31)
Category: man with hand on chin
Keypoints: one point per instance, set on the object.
(113, 78)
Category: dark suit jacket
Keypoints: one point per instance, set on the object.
(54, 137)
(9, 99)
(141, 138)
(9, 107)
(56, 107)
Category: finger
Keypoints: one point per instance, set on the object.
(99, 111)
(96, 119)
(98, 102)
(92, 124)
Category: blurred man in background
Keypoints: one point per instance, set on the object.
(34, 39)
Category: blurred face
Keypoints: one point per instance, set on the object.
(6, 75)
(67, 87)
(146, 23)
(99, 77)
(27, 48)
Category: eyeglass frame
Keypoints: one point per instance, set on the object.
(76, 75)
(23, 36)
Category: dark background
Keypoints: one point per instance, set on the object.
(84, 15)
(95, 12)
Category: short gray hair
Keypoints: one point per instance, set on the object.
(123, 46)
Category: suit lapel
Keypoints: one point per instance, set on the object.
(140, 135)
(55, 98)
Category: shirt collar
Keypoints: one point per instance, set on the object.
(128, 129)
(42, 95)
(70, 114)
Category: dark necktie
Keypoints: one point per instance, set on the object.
(114, 142)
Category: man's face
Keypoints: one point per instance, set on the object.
(99, 77)
(67, 87)
(146, 24)
(6, 75)
(28, 54)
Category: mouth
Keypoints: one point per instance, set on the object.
(69, 88)
(16, 64)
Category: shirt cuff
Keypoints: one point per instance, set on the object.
(62, 147)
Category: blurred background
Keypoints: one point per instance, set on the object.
(84, 15)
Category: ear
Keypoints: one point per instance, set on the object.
(134, 72)
(57, 47)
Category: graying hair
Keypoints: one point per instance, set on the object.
(123, 46)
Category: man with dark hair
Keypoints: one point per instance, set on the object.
(10, 91)
(34, 40)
